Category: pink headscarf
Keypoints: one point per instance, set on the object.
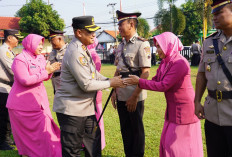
(96, 58)
(170, 44)
(31, 42)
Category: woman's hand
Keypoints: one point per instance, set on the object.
(52, 67)
(132, 80)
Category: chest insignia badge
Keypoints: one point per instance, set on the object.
(210, 51)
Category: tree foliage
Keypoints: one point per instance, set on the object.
(163, 18)
(38, 17)
(143, 28)
(161, 3)
(194, 12)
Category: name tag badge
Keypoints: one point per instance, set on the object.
(32, 66)
(210, 51)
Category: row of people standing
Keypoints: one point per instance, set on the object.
(33, 128)
(78, 75)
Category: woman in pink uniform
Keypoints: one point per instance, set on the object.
(97, 61)
(34, 131)
(181, 136)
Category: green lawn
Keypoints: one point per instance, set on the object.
(155, 106)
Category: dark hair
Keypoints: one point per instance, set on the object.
(6, 38)
(135, 21)
(196, 41)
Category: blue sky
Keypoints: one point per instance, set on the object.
(67, 9)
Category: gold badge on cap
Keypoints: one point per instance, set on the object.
(93, 21)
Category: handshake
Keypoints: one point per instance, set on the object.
(117, 81)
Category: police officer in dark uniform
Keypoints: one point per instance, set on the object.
(56, 38)
(215, 74)
(6, 81)
(133, 56)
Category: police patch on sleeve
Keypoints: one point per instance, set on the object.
(147, 50)
(83, 61)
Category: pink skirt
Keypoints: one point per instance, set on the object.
(181, 140)
(35, 134)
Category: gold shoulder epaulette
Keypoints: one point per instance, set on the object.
(211, 35)
(142, 39)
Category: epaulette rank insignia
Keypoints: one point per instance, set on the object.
(211, 35)
(142, 39)
(83, 47)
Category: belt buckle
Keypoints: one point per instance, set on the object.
(219, 95)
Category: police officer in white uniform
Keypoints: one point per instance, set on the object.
(6, 81)
(74, 101)
(133, 57)
(56, 38)
(214, 73)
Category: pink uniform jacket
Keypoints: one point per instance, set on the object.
(173, 78)
(179, 93)
(28, 92)
(34, 131)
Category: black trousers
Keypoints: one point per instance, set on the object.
(218, 140)
(5, 128)
(195, 59)
(132, 129)
(112, 58)
(76, 131)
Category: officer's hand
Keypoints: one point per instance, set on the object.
(131, 104)
(113, 100)
(199, 110)
(132, 80)
(52, 67)
(117, 82)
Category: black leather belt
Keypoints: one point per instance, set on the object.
(219, 95)
(126, 74)
(6, 82)
(55, 74)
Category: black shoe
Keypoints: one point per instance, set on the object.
(10, 142)
(6, 146)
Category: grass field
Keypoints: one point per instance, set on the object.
(153, 119)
